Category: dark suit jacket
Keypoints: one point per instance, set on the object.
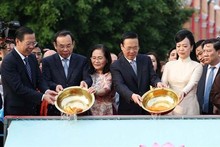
(201, 87)
(53, 73)
(215, 92)
(20, 93)
(201, 90)
(126, 82)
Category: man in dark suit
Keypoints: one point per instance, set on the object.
(60, 74)
(211, 53)
(23, 85)
(215, 95)
(132, 82)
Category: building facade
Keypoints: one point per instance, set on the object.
(205, 21)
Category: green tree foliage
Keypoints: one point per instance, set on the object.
(101, 21)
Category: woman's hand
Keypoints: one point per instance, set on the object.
(181, 96)
(161, 85)
(92, 90)
(83, 84)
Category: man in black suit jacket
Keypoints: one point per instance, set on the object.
(215, 95)
(21, 86)
(211, 59)
(54, 71)
(131, 83)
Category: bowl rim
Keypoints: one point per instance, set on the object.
(74, 87)
(162, 111)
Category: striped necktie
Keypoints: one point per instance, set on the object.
(65, 66)
(28, 68)
(134, 66)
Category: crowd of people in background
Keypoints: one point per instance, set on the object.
(31, 77)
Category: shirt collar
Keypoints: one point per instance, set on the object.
(22, 56)
(61, 58)
(131, 60)
(184, 60)
(216, 66)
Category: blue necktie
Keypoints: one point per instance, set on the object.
(28, 68)
(208, 89)
(65, 66)
(134, 66)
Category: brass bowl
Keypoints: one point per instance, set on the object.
(159, 100)
(74, 100)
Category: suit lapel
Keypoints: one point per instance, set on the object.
(22, 65)
(218, 72)
(72, 64)
(18, 58)
(59, 65)
(139, 67)
(129, 69)
(33, 70)
(204, 75)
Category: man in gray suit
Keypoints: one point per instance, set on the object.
(132, 76)
(65, 68)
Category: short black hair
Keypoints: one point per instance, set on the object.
(210, 41)
(20, 32)
(199, 42)
(63, 33)
(217, 45)
(128, 35)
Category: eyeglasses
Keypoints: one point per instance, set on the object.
(34, 44)
(136, 48)
(62, 47)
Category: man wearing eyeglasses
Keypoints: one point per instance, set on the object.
(132, 76)
(65, 68)
(23, 84)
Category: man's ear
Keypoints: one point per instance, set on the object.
(55, 45)
(121, 45)
(218, 52)
(17, 41)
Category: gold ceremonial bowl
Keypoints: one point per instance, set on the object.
(159, 100)
(74, 100)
